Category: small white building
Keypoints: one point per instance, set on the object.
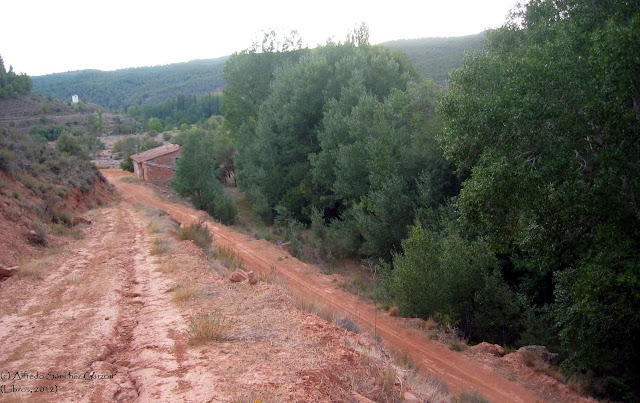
(74, 99)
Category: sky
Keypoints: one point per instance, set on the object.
(42, 37)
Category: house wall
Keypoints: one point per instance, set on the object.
(152, 172)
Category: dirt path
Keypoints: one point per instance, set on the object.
(459, 372)
(96, 324)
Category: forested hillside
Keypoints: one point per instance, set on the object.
(120, 89)
(436, 57)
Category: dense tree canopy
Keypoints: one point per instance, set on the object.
(344, 129)
(13, 85)
(545, 125)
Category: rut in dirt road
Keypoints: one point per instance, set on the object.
(98, 310)
(460, 373)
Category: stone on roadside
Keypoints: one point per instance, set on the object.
(7, 271)
(252, 278)
(238, 276)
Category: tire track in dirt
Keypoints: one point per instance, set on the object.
(100, 307)
(460, 373)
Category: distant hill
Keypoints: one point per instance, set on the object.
(120, 89)
(436, 57)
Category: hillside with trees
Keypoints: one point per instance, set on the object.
(120, 89)
(436, 57)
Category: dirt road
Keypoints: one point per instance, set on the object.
(460, 373)
(72, 331)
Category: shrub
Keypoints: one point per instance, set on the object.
(225, 210)
(213, 326)
(196, 232)
(38, 234)
(347, 323)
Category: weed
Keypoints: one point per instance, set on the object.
(229, 258)
(455, 344)
(160, 246)
(470, 397)
(198, 233)
(74, 279)
(184, 292)
(153, 227)
(38, 234)
(57, 229)
(578, 383)
(345, 322)
(433, 390)
(15, 194)
(533, 360)
(167, 267)
(213, 326)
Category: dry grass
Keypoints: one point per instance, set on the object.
(198, 233)
(213, 326)
(20, 352)
(167, 267)
(160, 247)
(430, 389)
(470, 397)
(185, 292)
(579, 384)
(533, 360)
(34, 309)
(393, 311)
(153, 227)
(33, 268)
(456, 344)
(229, 259)
(130, 179)
(74, 279)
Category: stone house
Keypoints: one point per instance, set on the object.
(156, 164)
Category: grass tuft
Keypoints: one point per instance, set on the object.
(198, 233)
(160, 247)
(184, 292)
(213, 326)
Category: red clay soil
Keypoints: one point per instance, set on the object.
(457, 370)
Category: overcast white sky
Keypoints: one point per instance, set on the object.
(47, 36)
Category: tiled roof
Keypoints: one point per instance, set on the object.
(155, 152)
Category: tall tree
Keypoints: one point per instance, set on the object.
(545, 124)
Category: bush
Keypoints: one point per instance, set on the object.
(225, 210)
(37, 235)
(196, 232)
(213, 326)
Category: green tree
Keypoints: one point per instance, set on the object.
(155, 125)
(197, 176)
(545, 126)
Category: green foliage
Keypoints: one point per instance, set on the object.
(545, 126)
(197, 175)
(182, 109)
(19, 153)
(13, 85)
(120, 89)
(69, 144)
(155, 125)
(50, 133)
(130, 145)
(441, 272)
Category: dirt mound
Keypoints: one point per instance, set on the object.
(25, 210)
